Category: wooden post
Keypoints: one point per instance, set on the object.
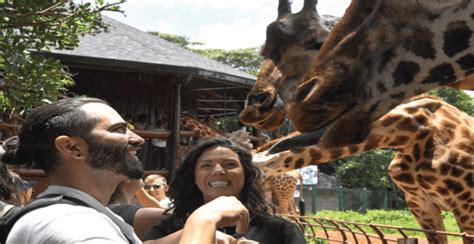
(407, 241)
(175, 131)
(225, 109)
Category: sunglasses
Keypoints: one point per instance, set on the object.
(148, 187)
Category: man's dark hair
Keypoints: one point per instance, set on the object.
(7, 188)
(45, 123)
(187, 197)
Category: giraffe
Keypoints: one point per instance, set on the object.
(201, 130)
(433, 166)
(278, 188)
(379, 54)
(266, 108)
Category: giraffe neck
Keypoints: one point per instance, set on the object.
(200, 129)
(405, 129)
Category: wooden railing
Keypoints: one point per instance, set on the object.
(336, 231)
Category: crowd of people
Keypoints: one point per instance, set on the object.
(90, 155)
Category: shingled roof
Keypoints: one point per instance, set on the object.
(125, 47)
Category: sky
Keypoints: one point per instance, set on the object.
(220, 24)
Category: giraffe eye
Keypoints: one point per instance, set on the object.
(260, 98)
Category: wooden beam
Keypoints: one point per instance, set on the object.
(218, 109)
(222, 114)
(214, 89)
(221, 100)
(164, 134)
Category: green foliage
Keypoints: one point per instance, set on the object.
(246, 59)
(28, 27)
(367, 170)
(176, 39)
(455, 97)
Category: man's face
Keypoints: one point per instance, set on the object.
(111, 144)
(156, 187)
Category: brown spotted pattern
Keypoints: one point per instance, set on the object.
(434, 165)
(280, 189)
(379, 54)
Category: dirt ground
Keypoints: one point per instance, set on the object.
(337, 238)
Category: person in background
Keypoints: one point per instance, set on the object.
(140, 217)
(86, 151)
(217, 168)
(24, 189)
(8, 189)
(156, 186)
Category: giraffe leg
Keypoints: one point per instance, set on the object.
(428, 216)
(426, 212)
(466, 223)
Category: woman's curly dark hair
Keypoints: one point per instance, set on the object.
(187, 197)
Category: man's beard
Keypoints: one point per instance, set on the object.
(114, 158)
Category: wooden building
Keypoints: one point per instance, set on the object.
(140, 74)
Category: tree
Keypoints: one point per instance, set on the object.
(245, 59)
(367, 170)
(183, 41)
(455, 97)
(29, 27)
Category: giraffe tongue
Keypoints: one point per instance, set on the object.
(303, 140)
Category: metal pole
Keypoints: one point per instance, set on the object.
(385, 199)
(313, 199)
(340, 199)
(364, 200)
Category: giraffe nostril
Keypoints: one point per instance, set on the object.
(303, 91)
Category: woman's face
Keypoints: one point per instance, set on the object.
(219, 172)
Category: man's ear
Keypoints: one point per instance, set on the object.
(72, 147)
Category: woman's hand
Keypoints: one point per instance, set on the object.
(226, 211)
(202, 225)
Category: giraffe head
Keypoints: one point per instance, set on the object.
(292, 42)
(379, 54)
(264, 108)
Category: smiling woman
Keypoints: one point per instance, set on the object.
(216, 168)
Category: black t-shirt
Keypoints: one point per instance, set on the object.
(126, 211)
(264, 229)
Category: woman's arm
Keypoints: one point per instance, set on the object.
(145, 218)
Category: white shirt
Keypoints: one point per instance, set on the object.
(66, 223)
(166, 202)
